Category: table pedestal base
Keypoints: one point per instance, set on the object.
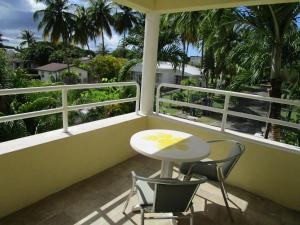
(166, 169)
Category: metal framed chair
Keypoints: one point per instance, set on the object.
(164, 195)
(215, 170)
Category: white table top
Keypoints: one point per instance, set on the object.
(170, 145)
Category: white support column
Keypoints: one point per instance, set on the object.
(149, 62)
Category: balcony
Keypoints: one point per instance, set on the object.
(100, 199)
(80, 174)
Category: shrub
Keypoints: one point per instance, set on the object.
(106, 66)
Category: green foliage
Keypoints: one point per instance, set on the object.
(106, 66)
(125, 70)
(57, 56)
(70, 77)
(122, 53)
(38, 52)
(5, 70)
(188, 82)
(12, 129)
(28, 37)
(100, 12)
(55, 20)
(41, 53)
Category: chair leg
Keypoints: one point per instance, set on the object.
(142, 217)
(225, 196)
(192, 215)
(128, 199)
(187, 178)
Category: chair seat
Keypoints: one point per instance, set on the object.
(201, 168)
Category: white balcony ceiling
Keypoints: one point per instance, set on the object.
(169, 6)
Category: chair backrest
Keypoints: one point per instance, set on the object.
(172, 195)
(233, 156)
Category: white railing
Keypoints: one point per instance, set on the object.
(225, 111)
(65, 108)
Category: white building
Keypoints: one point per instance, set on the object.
(195, 60)
(54, 71)
(165, 73)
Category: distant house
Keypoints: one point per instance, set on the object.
(18, 63)
(54, 71)
(85, 60)
(195, 60)
(165, 73)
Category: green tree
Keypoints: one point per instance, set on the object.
(70, 77)
(125, 20)
(168, 45)
(56, 20)
(100, 12)
(5, 70)
(38, 52)
(28, 38)
(272, 22)
(106, 66)
(1, 41)
(83, 28)
(186, 25)
(12, 130)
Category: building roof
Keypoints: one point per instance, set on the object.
(167, 66)
(53, 67)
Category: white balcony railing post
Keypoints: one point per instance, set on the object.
(157, 99)
(64, 108)
(138, 97)
(225, 113)
(64, 101)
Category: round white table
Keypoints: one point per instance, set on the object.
(169, 146)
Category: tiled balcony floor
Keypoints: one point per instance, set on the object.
(100, 199)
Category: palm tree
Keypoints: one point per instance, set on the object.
(168, 43)
(185, 24)
(56, 20)
(28, 37)
(272, 22)
(168, 48)
(100, 12)
(1, 41)
(83, 29)
(125, 20)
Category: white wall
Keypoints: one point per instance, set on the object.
(46, 75)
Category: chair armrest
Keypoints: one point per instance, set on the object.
(167, 181)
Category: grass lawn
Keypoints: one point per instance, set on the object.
(206, 120)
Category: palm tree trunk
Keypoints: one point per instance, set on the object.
(183, 61)
(124, 36)
(87, 45)
(103, 47)
(275, 92)
(202, 54)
